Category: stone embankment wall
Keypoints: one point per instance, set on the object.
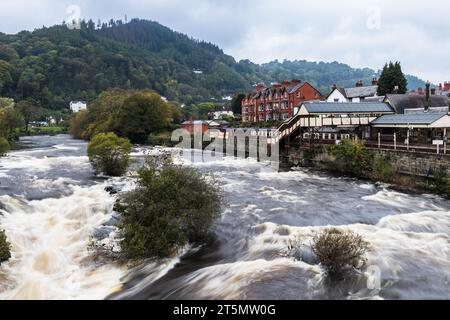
(412, 164)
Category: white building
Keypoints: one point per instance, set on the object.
(77, 106)
(356, 94)
(217, 115)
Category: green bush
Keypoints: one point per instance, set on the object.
(340, 251)
(4, 146)
(109, 154)
(383, 170)
(441, 183)
(352, 158)
(171, 206)
(5, 248)
(160, 139)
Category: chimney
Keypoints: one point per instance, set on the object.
(359, 84)
(295, 82)
(420, 91)
(334, 86)
(440, 87)
(433, 91)
(447, 86)
(374, 81)
(276, 85)
(427, 90)
(260, 87)
(285, 83)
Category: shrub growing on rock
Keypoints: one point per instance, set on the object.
(340, 251)
(5, 248)
(171, 207)
(109, 154)
(4, 146)
(383, 170)
(352, 158)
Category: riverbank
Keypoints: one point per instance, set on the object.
(402, 171)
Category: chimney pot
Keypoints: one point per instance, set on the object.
(374, 81)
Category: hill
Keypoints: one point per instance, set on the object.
(54, 65)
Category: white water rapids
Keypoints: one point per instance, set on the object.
(50, 205)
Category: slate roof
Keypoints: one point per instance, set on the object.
(406, 119)
(336, 107)
(361, 92)
(400, 102)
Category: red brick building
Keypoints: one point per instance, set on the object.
(277, 102)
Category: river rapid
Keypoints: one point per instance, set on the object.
(51, 204)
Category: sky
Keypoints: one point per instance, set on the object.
(363, 33)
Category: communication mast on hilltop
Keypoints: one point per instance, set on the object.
(126, 18)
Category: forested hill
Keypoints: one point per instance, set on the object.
(52, 66)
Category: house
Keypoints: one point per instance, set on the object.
(357, 94)
(402, 102)
(278, 101)
(195, 126)
(218, 115)
(77, 106)
(334, 120)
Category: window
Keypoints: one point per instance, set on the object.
(298, 94)
(336, 100)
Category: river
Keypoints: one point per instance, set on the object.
(51, 204)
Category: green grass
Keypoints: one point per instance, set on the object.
(47, 130)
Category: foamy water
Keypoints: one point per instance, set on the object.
(50, 235)
(51, 205)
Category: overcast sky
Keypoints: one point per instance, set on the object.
(363, 33)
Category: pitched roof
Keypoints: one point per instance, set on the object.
(407, 119)
(336, 107)
(400, 102)
(361, 92)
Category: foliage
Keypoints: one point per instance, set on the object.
(160, 139)
(131, 114)
(5, 248)
(141, 114)
(199, 111)
(391, 77)
(4, 146)
(236, 103)
(340, 251)
(109, 154)
(79, 124)
(171, 206)
(352, 158)
(29, 111)
(10, 120)
(383, 170)
(441, 183)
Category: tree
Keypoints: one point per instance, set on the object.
(109, 154)
(141, 114)
(171, 206)
(79, 125)
(10, 120)
(236, 103)
(392, 80)
(5, 248)
(29, 111)
(4, 146)
(340, 251)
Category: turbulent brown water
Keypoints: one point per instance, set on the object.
(51, 204)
